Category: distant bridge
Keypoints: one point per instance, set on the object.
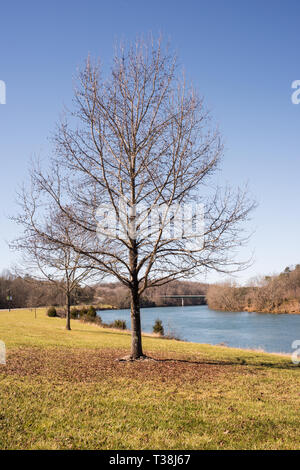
(182, 297)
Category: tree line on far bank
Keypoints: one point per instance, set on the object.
(17, 292)
(118, 296)
(29, 292)
(278, 293)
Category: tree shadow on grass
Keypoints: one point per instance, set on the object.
(242, 363)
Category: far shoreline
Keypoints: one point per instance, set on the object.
(204, 305)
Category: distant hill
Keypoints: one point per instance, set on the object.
(278, 293)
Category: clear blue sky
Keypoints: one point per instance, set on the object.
(241, 55)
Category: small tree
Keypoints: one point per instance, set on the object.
(58, 263)
(158, 327)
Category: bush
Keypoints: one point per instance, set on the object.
(74, 313)
(83, 311)
(158, 327)
(119, 324)
(92, 312)
(51, 312)
(89, 315)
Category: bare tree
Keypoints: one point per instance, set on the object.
(140, 146)
(56, 262)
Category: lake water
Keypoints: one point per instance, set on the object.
(270, 332)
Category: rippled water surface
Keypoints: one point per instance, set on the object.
(270, 332)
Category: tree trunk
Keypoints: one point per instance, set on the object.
(136, 331)
(68, 305)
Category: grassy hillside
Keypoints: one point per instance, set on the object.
(65, 390)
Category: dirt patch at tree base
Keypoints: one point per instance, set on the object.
(86, 365)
